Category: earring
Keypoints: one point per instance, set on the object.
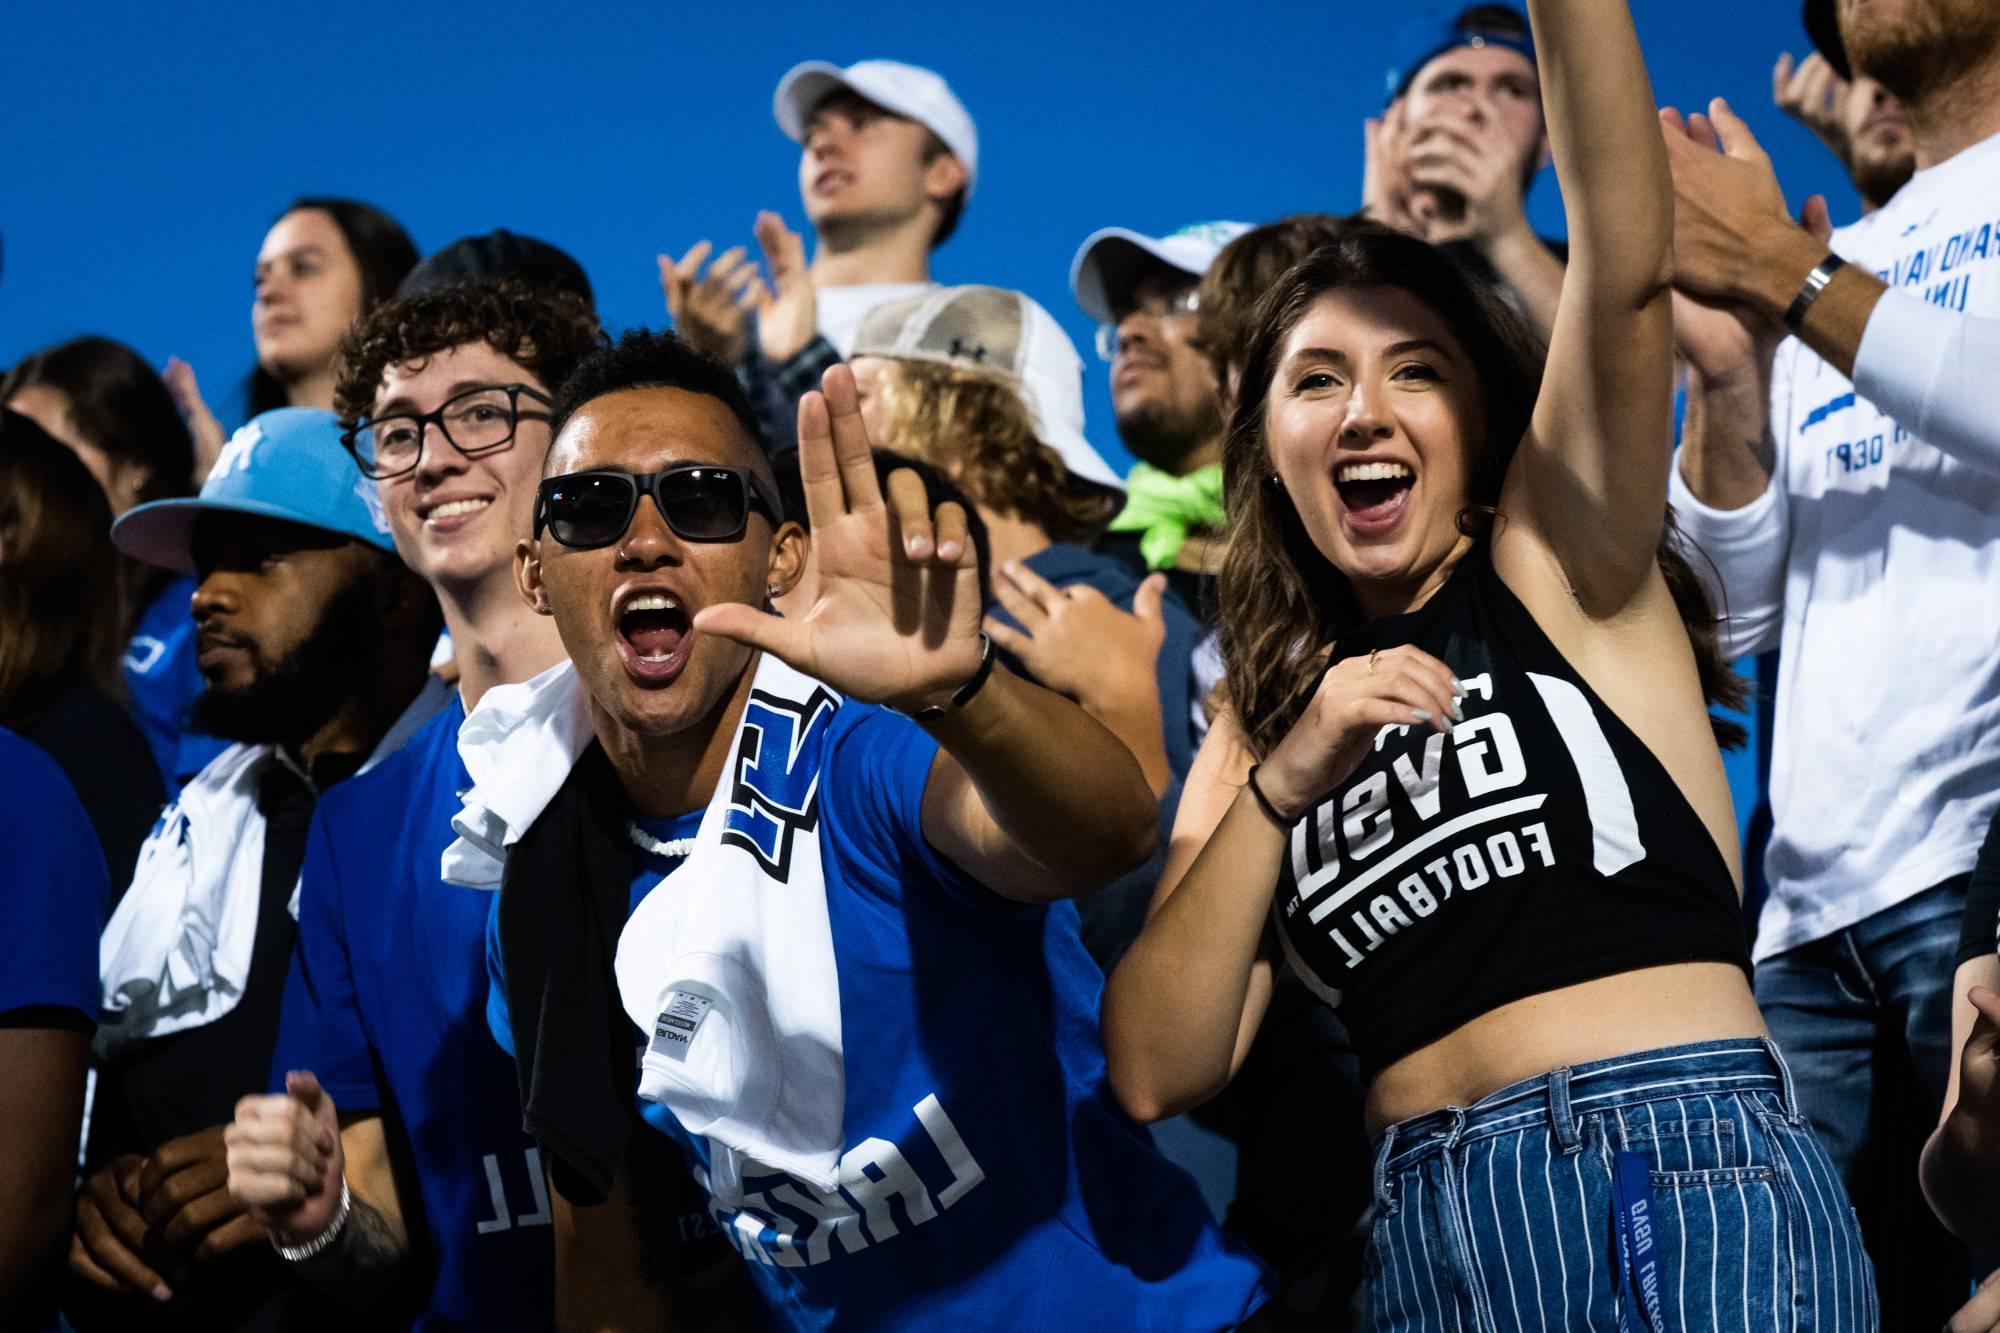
(771, 591)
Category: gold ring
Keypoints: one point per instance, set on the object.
(1373, 653)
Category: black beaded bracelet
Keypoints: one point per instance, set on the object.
(1270, 811)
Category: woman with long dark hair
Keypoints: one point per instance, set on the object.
(324, 263)
(1469, 788)
(102, 400)
(62, 630)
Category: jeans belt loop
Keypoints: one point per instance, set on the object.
(1787, 1091)
(1385, 1199)
(1562, 1121)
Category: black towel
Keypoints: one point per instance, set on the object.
(564, 897)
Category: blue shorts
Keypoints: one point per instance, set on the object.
(1676, 1189)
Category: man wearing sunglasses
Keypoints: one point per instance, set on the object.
(383, 1055)
(911, 815)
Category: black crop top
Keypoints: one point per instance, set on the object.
(1539, 845)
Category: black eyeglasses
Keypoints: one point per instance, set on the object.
(700, 502)
(476, 422)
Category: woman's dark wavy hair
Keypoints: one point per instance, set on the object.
(1283, 602)
(382, 250)
(62, 609)
(120, 404)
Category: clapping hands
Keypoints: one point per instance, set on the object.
(711, 309)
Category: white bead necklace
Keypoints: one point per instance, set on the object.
(646, 842)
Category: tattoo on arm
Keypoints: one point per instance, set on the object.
(364, 1263)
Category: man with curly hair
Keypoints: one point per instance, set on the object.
(382, 1055)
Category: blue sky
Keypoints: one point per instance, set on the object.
(147, 148)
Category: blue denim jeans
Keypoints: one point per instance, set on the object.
(1864, 1017)
(1676, 1189)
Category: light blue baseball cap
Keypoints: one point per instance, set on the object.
(287, 463)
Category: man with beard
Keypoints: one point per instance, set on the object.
(1141, 291)
(313, 642)
(1845, 484)
(1858, 119)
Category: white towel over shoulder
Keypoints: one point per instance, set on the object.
(728, 964)
(176, 953)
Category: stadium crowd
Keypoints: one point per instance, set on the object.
(760, 826)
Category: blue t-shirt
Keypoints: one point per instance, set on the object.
(54, 889)
(163, 679)
(990, 1182)
(1062, 565)
(386, 1003)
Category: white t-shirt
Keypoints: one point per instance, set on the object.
(1872, 561)
(841, 309)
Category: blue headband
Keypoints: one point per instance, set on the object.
(1428, 39)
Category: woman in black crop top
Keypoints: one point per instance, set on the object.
(1468, 786)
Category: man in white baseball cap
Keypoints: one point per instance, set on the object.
(1164, 398)
(889, 158)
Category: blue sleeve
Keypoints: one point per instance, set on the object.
(879, 766)
(1176, 678)
(320, 1027)
(498, 1020)
(54, 888)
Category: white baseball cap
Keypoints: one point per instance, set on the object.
(907, 90)
(1111, 260)
(1003, 334)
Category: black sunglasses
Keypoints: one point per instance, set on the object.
(700, 502)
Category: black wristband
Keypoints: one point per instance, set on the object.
(964, 693)
(1270, 811)
(1814, 284)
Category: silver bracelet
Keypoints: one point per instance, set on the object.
(1815, 283)
(298, 1254)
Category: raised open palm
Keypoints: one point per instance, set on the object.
(896, 618)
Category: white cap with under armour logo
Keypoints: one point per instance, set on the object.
(1004, 334)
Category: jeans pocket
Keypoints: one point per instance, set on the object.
(1723, 1241)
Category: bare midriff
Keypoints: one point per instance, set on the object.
(1653, 1007)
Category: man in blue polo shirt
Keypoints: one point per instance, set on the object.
(873, 1026)
(382, 1044)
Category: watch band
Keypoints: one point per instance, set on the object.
(961, 696)
(1815, 283)
(298, 1254)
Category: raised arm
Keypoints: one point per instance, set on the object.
(1590, 482)
(1029, 794)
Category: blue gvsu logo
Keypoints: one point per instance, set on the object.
(776, 787)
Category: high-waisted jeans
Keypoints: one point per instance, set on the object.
(1669, 1190)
